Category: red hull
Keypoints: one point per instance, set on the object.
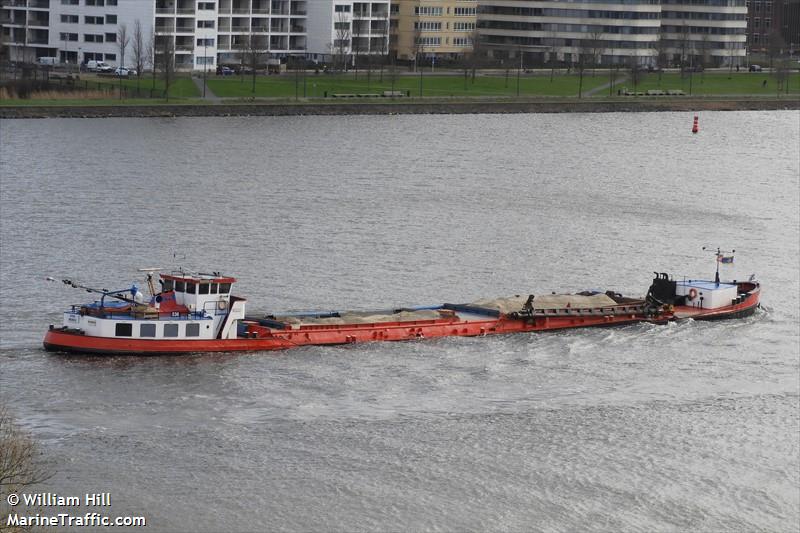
(262, 338)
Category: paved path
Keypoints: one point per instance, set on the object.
(605, 86)
(209, 93)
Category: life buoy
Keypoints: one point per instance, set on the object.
(222, 304)
(692, 294)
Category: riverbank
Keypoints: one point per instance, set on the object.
(411, 106)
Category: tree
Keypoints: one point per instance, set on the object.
(165, 57)
(122, 43)
(552, 53)
(383, 47)
(139, 49)
(356, 44)
(20, 460)
(251, 56)
(477, 52)
(775, 46)
(123, 39)
(595, 47)
(342, 42)
(416, 45)
(150, 51)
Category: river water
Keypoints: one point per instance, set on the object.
(690, 426)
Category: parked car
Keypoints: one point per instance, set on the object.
(755, 68)
(124, 72)
(225, 71)
(98, 66)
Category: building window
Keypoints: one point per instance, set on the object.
(98, 3)
(462, 41)
(193, 330)
(111, 2)
(68, 36)
(428, 41)
(111, 37)
(111, 19)
(205, 42)
(70, 19)
(464, 11)
(205, 23)
(206, 6)
(463, 26)
(123, 330)
(429, 11)
(91, 38)
(111, 57)
(93, 20)
(341, 8)
(170, 330)
(147, 330)
(767, 23)
(342, 26)
(69, 2)
(205, 60)
(428, 26)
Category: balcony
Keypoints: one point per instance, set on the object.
(186, 11)
(165, 28)
(165, 10)
(39, 4)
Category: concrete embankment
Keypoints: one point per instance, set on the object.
(400, 107)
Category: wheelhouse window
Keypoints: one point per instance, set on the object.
(224, 288)
(124, 330)
(180, 286)
(168, 285)
(192, 330)
(213, 288)
(202, 288)
(190, 288)
(147, 330)
(170, 330)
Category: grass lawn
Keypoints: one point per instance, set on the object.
(97, 102)
(316, 85)
(181, 87)
(717, 83)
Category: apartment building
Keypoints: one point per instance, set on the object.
(201, 33)
(773, 26)
(347, 28)
(642, 32)
(71, 30)
(433, 29)
(704, 32)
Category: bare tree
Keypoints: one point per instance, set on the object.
(21, 463)
(251, 56)
(477, 52)
(383, 48)
(150, 51)
(341, 44)
(139, 49)
(552, 53)
(123, 39)
(356, 45)
(165, 57)
(775, 46)
(416, 46)
(595, 47)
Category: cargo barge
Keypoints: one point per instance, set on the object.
(196, 312)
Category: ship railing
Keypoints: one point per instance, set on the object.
(139, 315)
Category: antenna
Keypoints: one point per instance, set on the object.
(719, 256)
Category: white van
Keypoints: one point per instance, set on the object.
(98, 66)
